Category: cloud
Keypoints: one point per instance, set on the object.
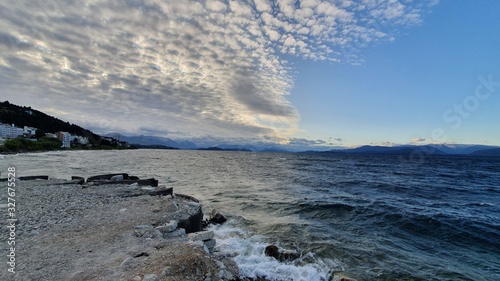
(418, 139)
(305, 142)
(210, 67)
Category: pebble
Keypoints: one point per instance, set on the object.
(150, 277)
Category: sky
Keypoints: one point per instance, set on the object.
(311, 73)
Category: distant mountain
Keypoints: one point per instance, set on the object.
(461, 148)
(487, 152)
(393, 150)
(215, 148)
(152, 140)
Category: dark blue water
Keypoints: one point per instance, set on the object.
(369, 217)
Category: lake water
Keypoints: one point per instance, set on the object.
(370, 217)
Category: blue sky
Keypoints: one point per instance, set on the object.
(302, 73)
(402, 90)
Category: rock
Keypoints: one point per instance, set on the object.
(117, 178)
(175, 234)
(171, 207)
(150, 277)
(150, 182)
(107, 177)
(201, 235)
(217, 217)
(168, 227)
(162, 191)
(81, 180)
(29, 178)
(281, 255)
(190, 216)
(146, 182)
(140, 230)
(167, 271)
(210, 243)
(133, 178)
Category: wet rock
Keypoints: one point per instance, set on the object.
(217, 217)
(279, 254)
(210, 243)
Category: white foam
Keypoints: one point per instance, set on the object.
(248, 253)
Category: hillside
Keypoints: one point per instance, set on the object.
(22, 116)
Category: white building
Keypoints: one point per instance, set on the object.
(65, 138)
(29, 130)
(10, 131)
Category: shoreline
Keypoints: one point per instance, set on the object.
(107, 232)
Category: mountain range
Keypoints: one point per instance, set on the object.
(430, 149)
(26, 116)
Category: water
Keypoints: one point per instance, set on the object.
(370, 217)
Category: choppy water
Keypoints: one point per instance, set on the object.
(371, 217)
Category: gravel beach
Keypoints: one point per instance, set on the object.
(103, 232)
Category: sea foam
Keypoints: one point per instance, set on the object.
(248, 253)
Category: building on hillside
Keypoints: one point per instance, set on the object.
(10, 131)
(29, 131)
(65, 138)
(82, 140)
(69, 140)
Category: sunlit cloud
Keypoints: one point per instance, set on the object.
(197, 67)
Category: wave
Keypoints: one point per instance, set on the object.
(248, 253)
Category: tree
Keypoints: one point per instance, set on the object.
(39, 134)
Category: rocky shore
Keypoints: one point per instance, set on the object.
(103, 230)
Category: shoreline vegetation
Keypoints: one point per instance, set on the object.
(21, 145)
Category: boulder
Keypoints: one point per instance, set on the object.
(189, 216)
(279, 254)
(217, 217)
